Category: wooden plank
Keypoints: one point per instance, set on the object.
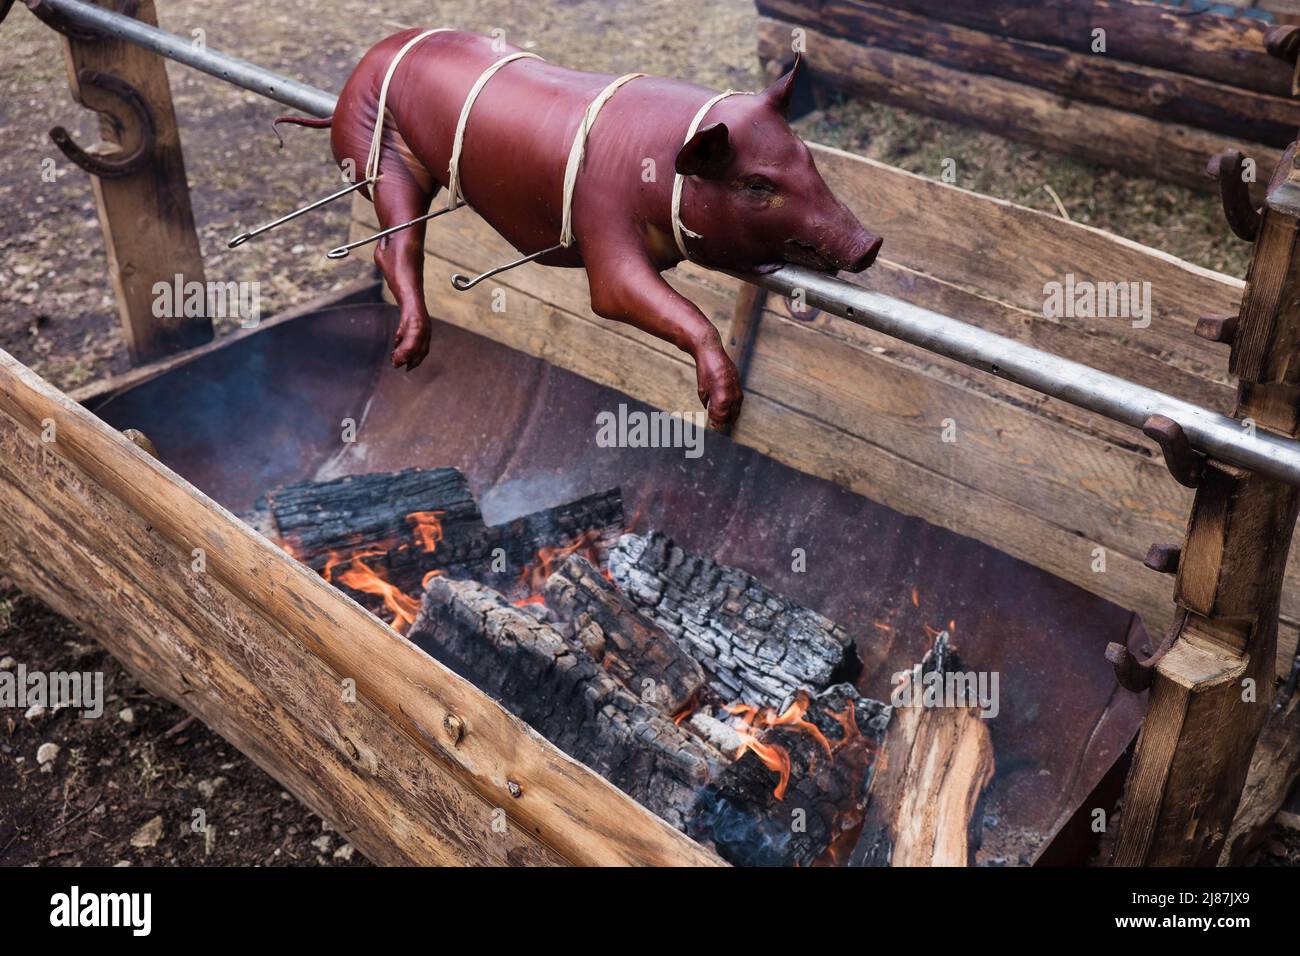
(1227, 49)
(1106, 80)
(1100, 134)
(145, 216)
(1009, 252)
(255, 611)
(264, 693)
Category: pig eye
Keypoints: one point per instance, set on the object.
(759, 186)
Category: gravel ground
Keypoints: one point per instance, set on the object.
(124, 789)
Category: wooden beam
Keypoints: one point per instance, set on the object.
(1100, 134)
(1071, 74)
(325, 697)
(1226, 49)
(145, 215)
(1212, 690)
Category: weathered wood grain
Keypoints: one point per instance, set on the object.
(230, 641)
(1212, 689)
(1101, 134)
(1226, 49)
(1106, 80)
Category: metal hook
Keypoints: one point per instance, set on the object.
(462, 284)
(100, 165)
(1184, 462)
(243, 237)
(341, 252)
(1283, 42)
(1243, 218)
(1134, 674)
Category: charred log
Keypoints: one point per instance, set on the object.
(798, 793)
(625, 644)
(925, 800)
(759, 646)
(404, 525)
(554, 684)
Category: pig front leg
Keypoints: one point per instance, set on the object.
(400, 196)
(626, 287)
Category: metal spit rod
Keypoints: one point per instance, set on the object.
(1219, 436)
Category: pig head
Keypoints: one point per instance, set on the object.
(752, 198)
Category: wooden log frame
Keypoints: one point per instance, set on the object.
(412, 763)
(1070, 73)
(145, 215)
(1226, 49)
(1169, 91)
(1212, 688)
(1130, 142)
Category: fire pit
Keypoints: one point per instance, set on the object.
(502, 538)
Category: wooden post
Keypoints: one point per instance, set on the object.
(145, 212)
(1212, 689)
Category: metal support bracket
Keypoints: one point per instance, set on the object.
(1184, 462)
(1134, 674)
(1234, 193)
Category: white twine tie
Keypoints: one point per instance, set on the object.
(453, 168)
(372, 159)
(679, 230)
(578, 151)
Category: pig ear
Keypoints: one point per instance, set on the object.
(780, 92)
(705, 154)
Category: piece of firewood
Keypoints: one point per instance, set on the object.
(409, 523)
(925, 796)
(552, 683)
(797, 794)
(623, 642)
(758, 646)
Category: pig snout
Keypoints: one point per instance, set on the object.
(853, 254)
(863, 251)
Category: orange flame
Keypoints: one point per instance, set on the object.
(775, 757)
(359, 576)
(533, 577)
(426, 528)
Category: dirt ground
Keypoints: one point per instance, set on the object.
(125, 788)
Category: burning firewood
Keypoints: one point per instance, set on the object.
(381, 536)
(553, 683)
(615, 634)
(759, 646)
(925, 798)
(717, 703)
(798, 793)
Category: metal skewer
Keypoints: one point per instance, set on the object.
(463, 284)
(243, 237)
(341, 252)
